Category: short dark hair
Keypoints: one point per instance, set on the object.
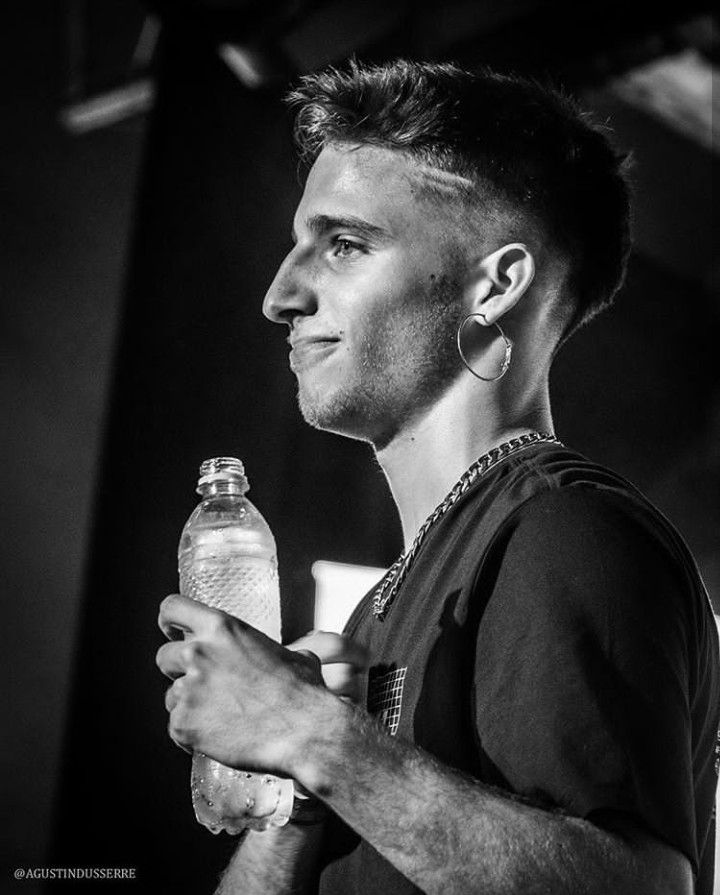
(522, 144)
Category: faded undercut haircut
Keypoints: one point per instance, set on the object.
(527, 149)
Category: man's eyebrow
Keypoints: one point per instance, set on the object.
(320, 224)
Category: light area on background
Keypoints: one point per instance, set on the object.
(339, 587)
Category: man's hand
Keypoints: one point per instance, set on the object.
(344, 662)
(248, 702)
(238, 696)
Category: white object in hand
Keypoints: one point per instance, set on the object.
(227, 560)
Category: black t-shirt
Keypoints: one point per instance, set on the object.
(553, 638)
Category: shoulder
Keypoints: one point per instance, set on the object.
(586, 512)
(553, 486)
(552, 528)
(596, 554)
(584, 508)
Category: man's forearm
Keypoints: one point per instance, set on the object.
(450, 834)
(279, 861)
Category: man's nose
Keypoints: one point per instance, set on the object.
(291, 293)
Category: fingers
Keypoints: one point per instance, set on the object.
(180, 736)
(172, 697)
(343, 661)
(331, 648)
(180, 615)
(172, 700)
(175, 658)
(311, 655)
(342, 679)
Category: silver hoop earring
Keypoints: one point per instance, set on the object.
(508, 349)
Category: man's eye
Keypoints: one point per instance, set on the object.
(344, 248)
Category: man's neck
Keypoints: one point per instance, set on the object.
(425, 460)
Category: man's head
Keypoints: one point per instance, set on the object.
(514, 157)
(420, 174)
(370, 295)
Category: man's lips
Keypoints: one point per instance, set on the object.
(307, 350)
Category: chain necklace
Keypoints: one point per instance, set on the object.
(396, 574)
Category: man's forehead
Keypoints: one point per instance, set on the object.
(356, 170)
(372, 178)
(353, 164)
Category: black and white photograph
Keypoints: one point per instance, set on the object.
(361, 399)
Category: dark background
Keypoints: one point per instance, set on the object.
(134, 259)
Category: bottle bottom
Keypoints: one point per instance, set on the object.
(234, 800)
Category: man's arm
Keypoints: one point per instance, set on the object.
(277, 861)
(449, 834)
(283, 860)
(246, 701)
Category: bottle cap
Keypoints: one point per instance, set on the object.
(227, 469)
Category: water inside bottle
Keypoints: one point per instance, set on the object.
(244, 586)
(226, 560)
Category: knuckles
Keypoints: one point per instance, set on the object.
(163, 659)
(165, 607)
(171, 699)
(181, 734)
(192, 653)
(182, 726)
(221, 625)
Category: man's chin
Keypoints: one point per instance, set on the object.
(322, 418)
(314, 411)
(333, 416)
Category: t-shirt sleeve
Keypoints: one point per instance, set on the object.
(581, 670)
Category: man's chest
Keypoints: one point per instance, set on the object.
(421, 679)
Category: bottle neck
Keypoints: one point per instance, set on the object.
(222, 487)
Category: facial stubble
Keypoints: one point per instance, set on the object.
(399, 369)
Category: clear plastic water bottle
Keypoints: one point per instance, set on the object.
(227, 560)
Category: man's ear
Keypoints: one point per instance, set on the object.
(500, 280)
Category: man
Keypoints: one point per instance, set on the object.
(541, 709)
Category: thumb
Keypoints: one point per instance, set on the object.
(313, 657)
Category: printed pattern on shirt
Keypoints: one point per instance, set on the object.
(385, 691)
